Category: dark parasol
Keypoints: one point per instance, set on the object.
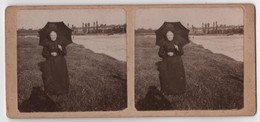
(63, 33)
(181, 34)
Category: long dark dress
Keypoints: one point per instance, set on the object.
(171, 69)
(55, 72)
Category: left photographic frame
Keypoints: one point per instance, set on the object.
(69, 60)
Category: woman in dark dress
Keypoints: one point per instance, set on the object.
(172, 75)
(55, 72)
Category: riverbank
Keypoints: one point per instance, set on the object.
(97, 81)
(214, 81)
(231, 46)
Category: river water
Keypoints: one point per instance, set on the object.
(231, 46)
(112, 45)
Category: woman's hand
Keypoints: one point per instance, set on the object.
(170, 53)
(60, 47)
(54, 53)
(176, 46)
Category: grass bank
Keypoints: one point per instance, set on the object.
(97, 81)
(214, 81)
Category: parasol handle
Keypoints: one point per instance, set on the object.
(60, 47)
(177, 47)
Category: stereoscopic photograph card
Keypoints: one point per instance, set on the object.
(191, 58)
(130, 60)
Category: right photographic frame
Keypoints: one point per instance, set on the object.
(191, 58)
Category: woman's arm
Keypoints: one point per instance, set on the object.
(162, 52)
(45, 52)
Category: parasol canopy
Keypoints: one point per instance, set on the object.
(181, 34)
(63, 33)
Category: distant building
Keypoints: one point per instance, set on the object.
(98, 29)
(78, 31)
(216, 29)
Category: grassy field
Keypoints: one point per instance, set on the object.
(97, 81)
(214, 81)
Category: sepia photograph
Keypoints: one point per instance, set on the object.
(95, 61)
(189, 59)
(71, 60)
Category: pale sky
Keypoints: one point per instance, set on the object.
(154, 17)
(38, 18)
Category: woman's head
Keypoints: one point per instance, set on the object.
(170, 35)
(53, 35)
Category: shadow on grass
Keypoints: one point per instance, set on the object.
(39, 101)
(154, 100)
